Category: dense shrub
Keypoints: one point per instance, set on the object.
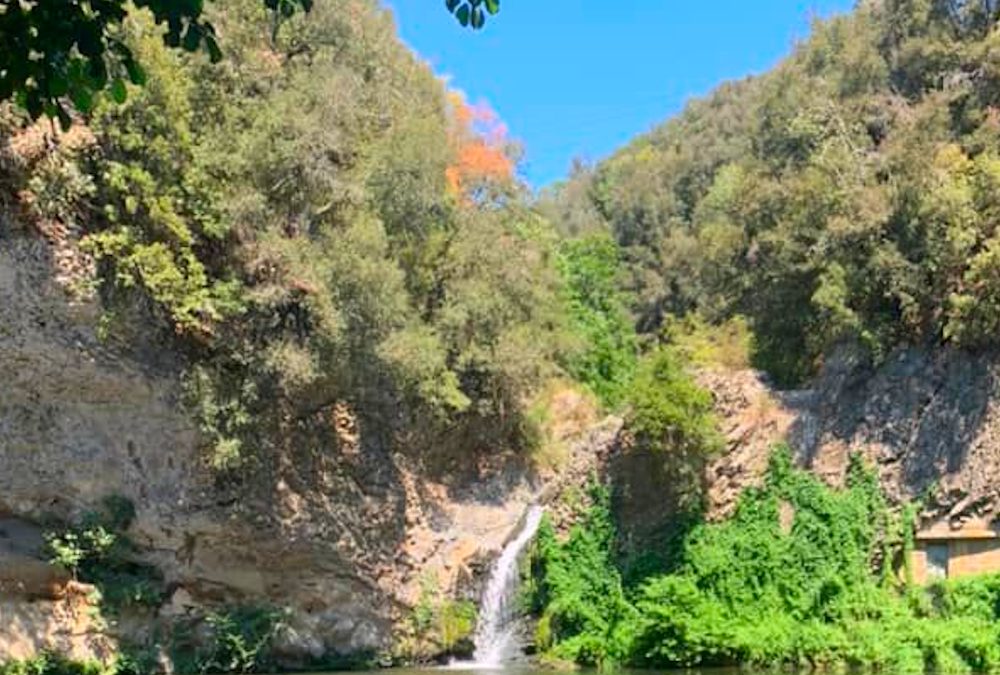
(578, 591)
(98, 551)
(791, 578)
(667, 408)
(230, 639)
(53, 664)
(606, 360)
(670, 415)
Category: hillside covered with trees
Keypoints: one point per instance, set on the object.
(312, 218)
(326, 259)
(848, 194)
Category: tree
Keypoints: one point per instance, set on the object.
(472, 13)
(59, 51)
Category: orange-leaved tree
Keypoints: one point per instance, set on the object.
(483, 161)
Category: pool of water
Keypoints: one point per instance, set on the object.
(525, 669)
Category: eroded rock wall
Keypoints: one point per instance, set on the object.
(341, 530)
(927, 420)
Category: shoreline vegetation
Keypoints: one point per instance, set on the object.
(801, 576)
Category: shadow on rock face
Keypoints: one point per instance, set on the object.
(924, 418)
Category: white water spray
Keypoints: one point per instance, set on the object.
(495, 638)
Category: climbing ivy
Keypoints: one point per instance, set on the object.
(799, 575)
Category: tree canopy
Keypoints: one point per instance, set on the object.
(850, 194)
(331, 227)
(61, 52)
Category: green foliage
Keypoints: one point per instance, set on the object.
(457, 622)
(422, 617)
(135, 659)
(472, 12)
(727, 345)
(789, 579)
(239, 640)
(228, 640)
(66, 50)
(606, 363)
(63, 50)
(578, 591)
(157, 212)
(71, 549)
(222, 407)
(49, 663)
(445, 623)
(849, 195)
(748, 576)
(98, 551)
(281, 222)
(668, 410)
(671, 416)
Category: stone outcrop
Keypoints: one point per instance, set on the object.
(928, 421)
(41, 607)
(753, 418)
(344, 529)
(64, 626)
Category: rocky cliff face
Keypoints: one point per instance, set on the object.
(346, 532)
(348, 528)
(929, 421)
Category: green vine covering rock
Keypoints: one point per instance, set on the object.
(792, 578)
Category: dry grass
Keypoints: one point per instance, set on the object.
(560, 412)
(763, 409)
(726, 346)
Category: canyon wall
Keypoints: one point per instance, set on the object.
(347, 530)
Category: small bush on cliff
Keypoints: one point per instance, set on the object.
(668, 409)
(728, 345)
(670, 414)
(440, 625)
(98, 551)
(456, 623)
(229, 640)
(241, 640)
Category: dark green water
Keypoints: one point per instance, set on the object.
(521, 669)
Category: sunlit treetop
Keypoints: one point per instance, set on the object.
(481, 148)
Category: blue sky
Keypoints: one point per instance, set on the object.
(579, 78)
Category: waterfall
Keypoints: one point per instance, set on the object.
(495, 638)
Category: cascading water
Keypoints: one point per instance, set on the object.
(495, 638)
